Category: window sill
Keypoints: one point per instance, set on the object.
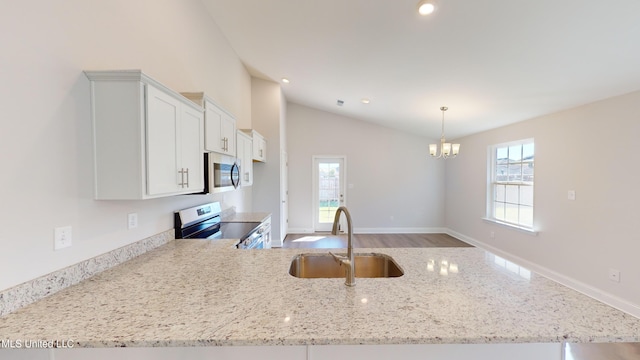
(525, 230)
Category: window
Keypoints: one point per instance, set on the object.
(510, 198)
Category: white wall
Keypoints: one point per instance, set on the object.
(390, 172)
(591, 149)
(45, 131)
(268, 118)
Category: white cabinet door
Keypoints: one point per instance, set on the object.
(184, 353)
(229, 134)
(245, 154)
(175, 155)
(520, 351)
(25, 354)
(220, 128)
(163, 126)
(259, 148)
(192, 150)
(214, 141)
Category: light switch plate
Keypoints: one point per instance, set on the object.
(132, 221)
(571, 194)
(61, 237)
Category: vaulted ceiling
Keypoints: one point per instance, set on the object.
(492, 62)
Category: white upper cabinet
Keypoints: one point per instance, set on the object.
(259, 145)
(192, 135)
(148, 139)
(219, 125)
(245, 154)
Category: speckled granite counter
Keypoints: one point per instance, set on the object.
(197, 293)
(221, 243)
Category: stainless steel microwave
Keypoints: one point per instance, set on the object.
(222, 173)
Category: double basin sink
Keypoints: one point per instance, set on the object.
(372, 265)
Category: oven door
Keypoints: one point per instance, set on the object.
(259, 244)
(253, 241)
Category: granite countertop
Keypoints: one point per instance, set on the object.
(198, 293)
(222, 243)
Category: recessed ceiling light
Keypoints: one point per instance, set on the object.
(365, 101)
(426, 7)
(285, 80)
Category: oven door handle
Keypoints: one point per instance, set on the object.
(255, 240)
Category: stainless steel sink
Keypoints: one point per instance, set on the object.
(372, 265)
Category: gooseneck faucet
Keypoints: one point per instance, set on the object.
(348, 261)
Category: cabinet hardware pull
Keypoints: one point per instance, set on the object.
(225, 144)
(181, 172)
(187, 177)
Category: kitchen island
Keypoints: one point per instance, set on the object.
(194, 293)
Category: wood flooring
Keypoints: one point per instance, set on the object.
(328, 241)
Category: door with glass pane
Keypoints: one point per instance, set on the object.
(328, 190)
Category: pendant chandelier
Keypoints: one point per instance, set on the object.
(447, 150)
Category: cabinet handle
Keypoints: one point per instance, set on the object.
(225, 144)
(187, 177)
(181, 172)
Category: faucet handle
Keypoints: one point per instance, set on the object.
(338, 258)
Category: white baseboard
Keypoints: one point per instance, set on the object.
(595, 293)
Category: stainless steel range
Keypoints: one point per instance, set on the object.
(204, 222)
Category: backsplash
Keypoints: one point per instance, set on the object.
(34, 290)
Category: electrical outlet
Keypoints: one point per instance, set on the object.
(61, 237)
(132, 221)
(492, 235)
(571, 194)
(614, 275)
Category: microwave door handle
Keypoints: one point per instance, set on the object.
(235, 175)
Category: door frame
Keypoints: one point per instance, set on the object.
(284, 196)
(314, 187)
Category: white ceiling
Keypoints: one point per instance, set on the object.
(492, 62)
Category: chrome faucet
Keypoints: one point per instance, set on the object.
(348, 261)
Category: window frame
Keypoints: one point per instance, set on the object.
(492, 182)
